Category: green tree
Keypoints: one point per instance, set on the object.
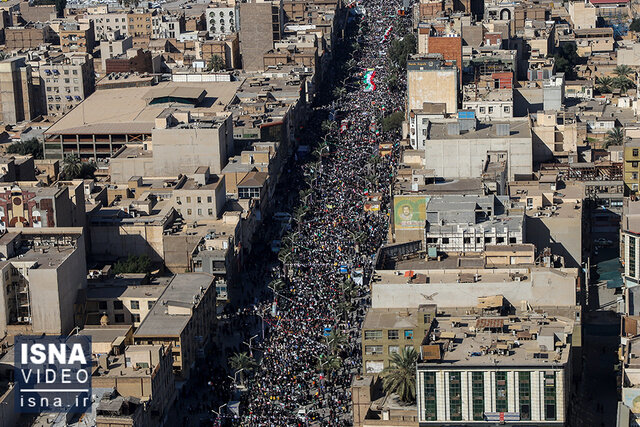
(328, 363)
(614, 137)
(242, 361)
(566, 58)
(71, 166)
(605, 84)
(31, 146)
(400, 49)
(60, 5)
(339, 92)
(216, 63)
(622, 83)
(133, 264)
(393, 121)
(335, 340)
(400, 376)
(623, 71)
(328, 125)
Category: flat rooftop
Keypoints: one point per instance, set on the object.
(502, 341)
(133, 109)
(517, 129)
(183, 290)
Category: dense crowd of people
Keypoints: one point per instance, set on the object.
(311, 349)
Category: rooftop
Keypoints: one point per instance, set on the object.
(134, 109)
(185, 290)
(533, 340)
(517, 129)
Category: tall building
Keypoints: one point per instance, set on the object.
(431, 79)
(489, 370)
(75, 37)
(18, 99)
(261, 25)
(222, 18)
(67, 81)
(631, 165)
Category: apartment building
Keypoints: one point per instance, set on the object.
(19, 99)
(267, 20)
(141, 23)
(43, 274)
(168, 26)
(515, 370)
(631, 165)
(77, 38)
(432, 79)
(387, 331)
(67, 81)
(222, 18)
(183, 318)
(105, 24)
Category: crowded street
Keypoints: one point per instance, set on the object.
(311, 347)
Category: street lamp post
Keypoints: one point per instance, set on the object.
(249, 345)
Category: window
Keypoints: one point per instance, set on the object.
(507, 109)
(102, 305)
(408, 347)
(120, 318)
(487, 239)
(188, 199)
(150, 304)
(499, 239)
(117, 305)
(524, 387)
(373, 349)
(477, 395)
(177, 199)
(445, 240)
(635, 152)
(209, 199)
(430, 406)
(634, 164)
(550, 396)
(135, 305)
(634, 175)
(482, 110)
(199, 199)
(189, 211)
(210, 212)
(490, 110)
(372, 335)
(408, 334)
(632, 256)
(199, 211)
(501, 392)
(392, 334)
(455, 396)
(393, 349)
(135, 318)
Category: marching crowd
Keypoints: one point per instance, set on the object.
(311, 349)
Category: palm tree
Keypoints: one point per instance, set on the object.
(328, 363)
(328, 126)
(72, 167)
(604, 84)
(622, 71)
(216, 63)
(338, 92)
(277, 285)
(400, 376)
(335, 340)
(242, 361)
(614, 137)
(622, 83)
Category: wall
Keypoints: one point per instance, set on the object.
(436, 86)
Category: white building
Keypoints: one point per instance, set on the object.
(490, 370)
(221, 19)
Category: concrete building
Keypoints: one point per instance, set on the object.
(168, 26)
(388, 331)
(200, 197)
(433, 80)
(630, 242)
(30, 36)
(140, 23)
(66, 81)
(226, 47)
(43, 275)
(461, 224)
(183, 319)
(28, 204)
(466, 149)
(583, 15)
(124, 300)
(405, 277)
(109, 119)
(261, 26)
(106, 24)
(500, 368)
(143, 372)
(77, 38)
(19, 100)
(222, 18)
(113, 47)
(631, 165)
